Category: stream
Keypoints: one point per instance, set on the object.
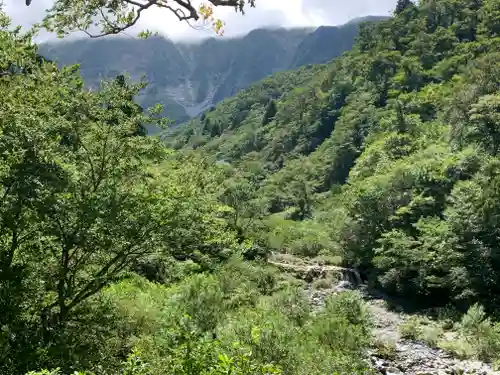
(410, 357)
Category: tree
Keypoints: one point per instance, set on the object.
(474, 217)
(270, 112)
(402, 5)
(70, 186)
(485, 116)
(490, 19)
(129, 107)
(114, 17)
(240, 195)
(81, 201)
(423, 265)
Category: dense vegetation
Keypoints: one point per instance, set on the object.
(387, 158)
(122, 255)
(117, 255)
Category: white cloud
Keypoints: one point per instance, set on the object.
(284, 13)
(335, 12)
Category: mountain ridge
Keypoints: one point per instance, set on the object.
(189, 78)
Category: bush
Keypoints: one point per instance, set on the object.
(344, 325)
(482, 335)
(325, 283)
(241, 364)
(270, 336)
(328, 260)
(306, 238)
(410, 328)
(251, 276)
(432, 335)
(293, 304)
(459, 347)
(351, 306)
(385, 349)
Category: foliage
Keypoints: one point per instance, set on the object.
(84, 197)
(385, 350)
(480, 333)
(410, 328)
(386, 160)
(474, 335)
(116, 17)
(210, 320)
(385, 157)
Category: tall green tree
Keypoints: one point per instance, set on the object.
(81, 201)
(402, 5)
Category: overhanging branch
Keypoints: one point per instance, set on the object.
(183, 10)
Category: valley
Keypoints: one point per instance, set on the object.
(328, 201)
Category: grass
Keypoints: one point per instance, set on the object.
(385, 350)
(322, 260)
(411, 328)
(325, 283)
(328, 260)
(288, 259)
(432, 335)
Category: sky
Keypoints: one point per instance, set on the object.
(268, 13)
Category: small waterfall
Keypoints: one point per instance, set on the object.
(348, 278)
(351, 276)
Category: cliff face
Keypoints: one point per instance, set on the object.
(189, 78)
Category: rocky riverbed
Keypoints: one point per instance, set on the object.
(415, 358)
(408, 357)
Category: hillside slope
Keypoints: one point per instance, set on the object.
(189, 78)
(327, 42)
(386, 158)
(236, 254)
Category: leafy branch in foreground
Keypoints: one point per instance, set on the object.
(99, 18)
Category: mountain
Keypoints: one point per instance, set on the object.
(316, 48)
(387, 158)
(190, 78)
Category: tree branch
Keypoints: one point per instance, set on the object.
(184, 10)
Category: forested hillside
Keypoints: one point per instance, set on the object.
(188, 78)
(118, 256)
(204, 251)
(386, 157)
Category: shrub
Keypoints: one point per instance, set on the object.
(431, 335)
(324, 283)
(293, 304)
(344, 325)
(459, 347)
(351, 306)
(328, 260)
(483, 335)
(410, 328)
(385, 349)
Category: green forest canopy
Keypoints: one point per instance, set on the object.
(120, 255)
(387, 157)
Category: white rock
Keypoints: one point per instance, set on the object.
(393, 371)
